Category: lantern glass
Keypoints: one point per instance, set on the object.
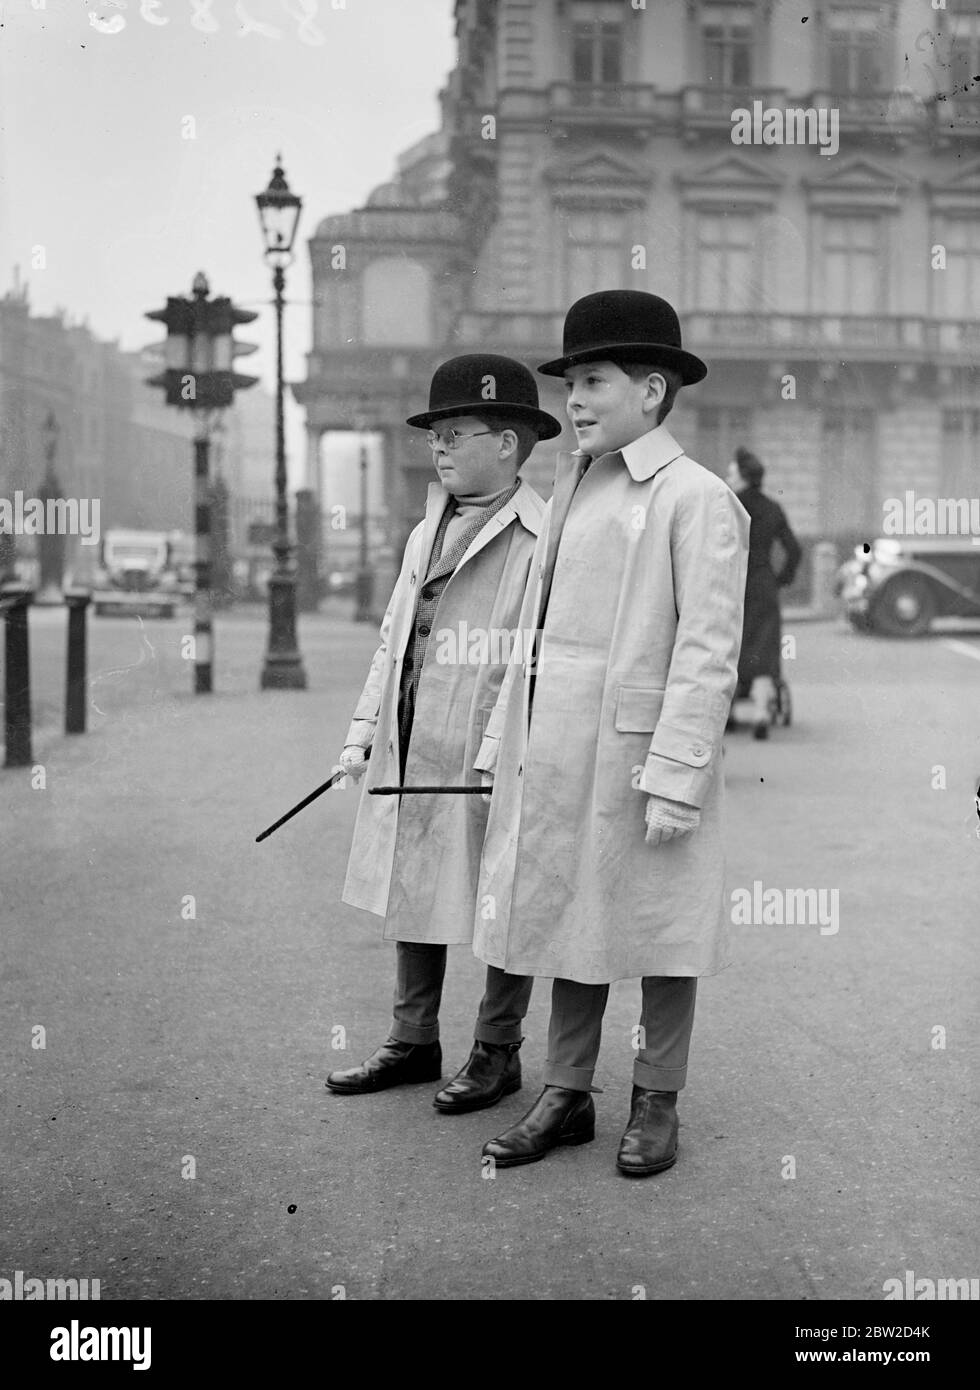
(221, 352)
(200, 354)
(176, 349)
(279, 211)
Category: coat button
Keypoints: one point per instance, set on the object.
(424, 630)
(697, 750)
(428, 595)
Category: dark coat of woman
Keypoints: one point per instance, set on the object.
(762, 629)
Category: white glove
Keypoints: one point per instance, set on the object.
(354, 761)
(667, 820)
(487, 780)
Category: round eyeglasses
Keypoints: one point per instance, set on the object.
(451, 439)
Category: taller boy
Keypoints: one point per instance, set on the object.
(603, 857)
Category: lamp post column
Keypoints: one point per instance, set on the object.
(283, 669)
(50, 545)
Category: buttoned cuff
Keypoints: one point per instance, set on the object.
(361, 733)
(678, 766)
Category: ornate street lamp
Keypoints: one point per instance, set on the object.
(279, 211)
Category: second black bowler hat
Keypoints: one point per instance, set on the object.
(627, 324)
(489, 386)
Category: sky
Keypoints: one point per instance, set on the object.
(95, 97)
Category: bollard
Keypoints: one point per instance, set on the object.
(76, 703)
(15, 600)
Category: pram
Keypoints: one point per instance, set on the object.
(780, 705)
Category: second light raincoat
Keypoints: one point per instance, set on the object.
(634, 681)
(417, 862)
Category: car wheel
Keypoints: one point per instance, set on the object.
(904, 608)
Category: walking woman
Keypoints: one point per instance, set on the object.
(758, 662)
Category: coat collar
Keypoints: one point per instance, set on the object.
(525, 506)
(643, 457)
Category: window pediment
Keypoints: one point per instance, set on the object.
(599, 177)
(961, 193)
(858, 182)
(733, 179)
(708, 11)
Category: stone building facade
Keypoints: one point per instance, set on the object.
(588, 144)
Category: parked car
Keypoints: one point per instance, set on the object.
(340, 583)
(898, 585)
(136, 575)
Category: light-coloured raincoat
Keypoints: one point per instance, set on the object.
(634, 680)
(417, 862)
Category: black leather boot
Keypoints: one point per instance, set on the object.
(650, 1142)
(393, 1064)
(558, 1116)
(491, 1071)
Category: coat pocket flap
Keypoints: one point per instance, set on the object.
(680, 746)
(638, 709)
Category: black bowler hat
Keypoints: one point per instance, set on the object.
(486, 385)
(624, 324)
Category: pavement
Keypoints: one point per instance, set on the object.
(173, 1136)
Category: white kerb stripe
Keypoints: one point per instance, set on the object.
(963, 648)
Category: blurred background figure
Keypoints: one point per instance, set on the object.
(759, 659)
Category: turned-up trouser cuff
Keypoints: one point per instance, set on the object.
(666, 1021)
(420, 971)
(503, 1007)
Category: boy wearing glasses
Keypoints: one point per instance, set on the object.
(445, 642)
